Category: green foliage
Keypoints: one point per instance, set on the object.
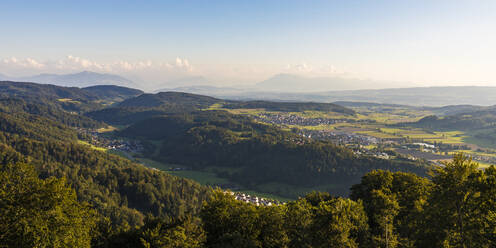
(336, 222)
(461, 209)
(393, 202)
(230, 223)
(177, 234)
(41, 213)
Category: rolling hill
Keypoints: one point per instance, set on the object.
(148, 105)
(170, 98)
(254, 154)
(113, 92)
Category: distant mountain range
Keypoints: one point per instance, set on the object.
(81, 79)
(289, 87)
(418, 96)
(181, 82)
(296, 83)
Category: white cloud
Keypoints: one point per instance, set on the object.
(24, 63)
(75, 63)
(309, 69)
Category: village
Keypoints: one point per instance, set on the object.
(100, 140)
(258, 201)
(291, 119)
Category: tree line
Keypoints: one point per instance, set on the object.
(455, 208)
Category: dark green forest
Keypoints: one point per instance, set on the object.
(455, 208)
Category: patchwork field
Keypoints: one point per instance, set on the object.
(377, 121)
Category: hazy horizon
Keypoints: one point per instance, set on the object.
(223, 43)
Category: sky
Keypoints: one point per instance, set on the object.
(432, 42)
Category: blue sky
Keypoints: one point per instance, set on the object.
(426, 42)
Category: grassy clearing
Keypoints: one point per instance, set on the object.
(484, 165)
(202, 177)
(69, 100)
(217, 169)
(155, 164)
(246, 111)
(290, 191)
(82, 142)
(453, 137)
(209, 177)
(378, 134)
(215, 106)
(106, 129)
(482, 138)
(205, 178)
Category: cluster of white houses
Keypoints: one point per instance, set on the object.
(284, 119)
(259, 201)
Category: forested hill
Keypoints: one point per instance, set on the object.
(47, 91)
(256, 154)
(113, 92)
(289, 106)
(186, 100)
(471, 120)
(106, 93)
(120, 190)
(149, 105)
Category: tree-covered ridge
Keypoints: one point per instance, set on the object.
(289, 106)
(217, 138)
(71, 99)
(147, 106)
(26, 126)
(46, 91)
(116, 187)
(481, 119)
(46, 109)
(191, 101)
(113, 93)
(150, 105)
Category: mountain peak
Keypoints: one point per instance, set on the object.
(285, 82)
(80, 79)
